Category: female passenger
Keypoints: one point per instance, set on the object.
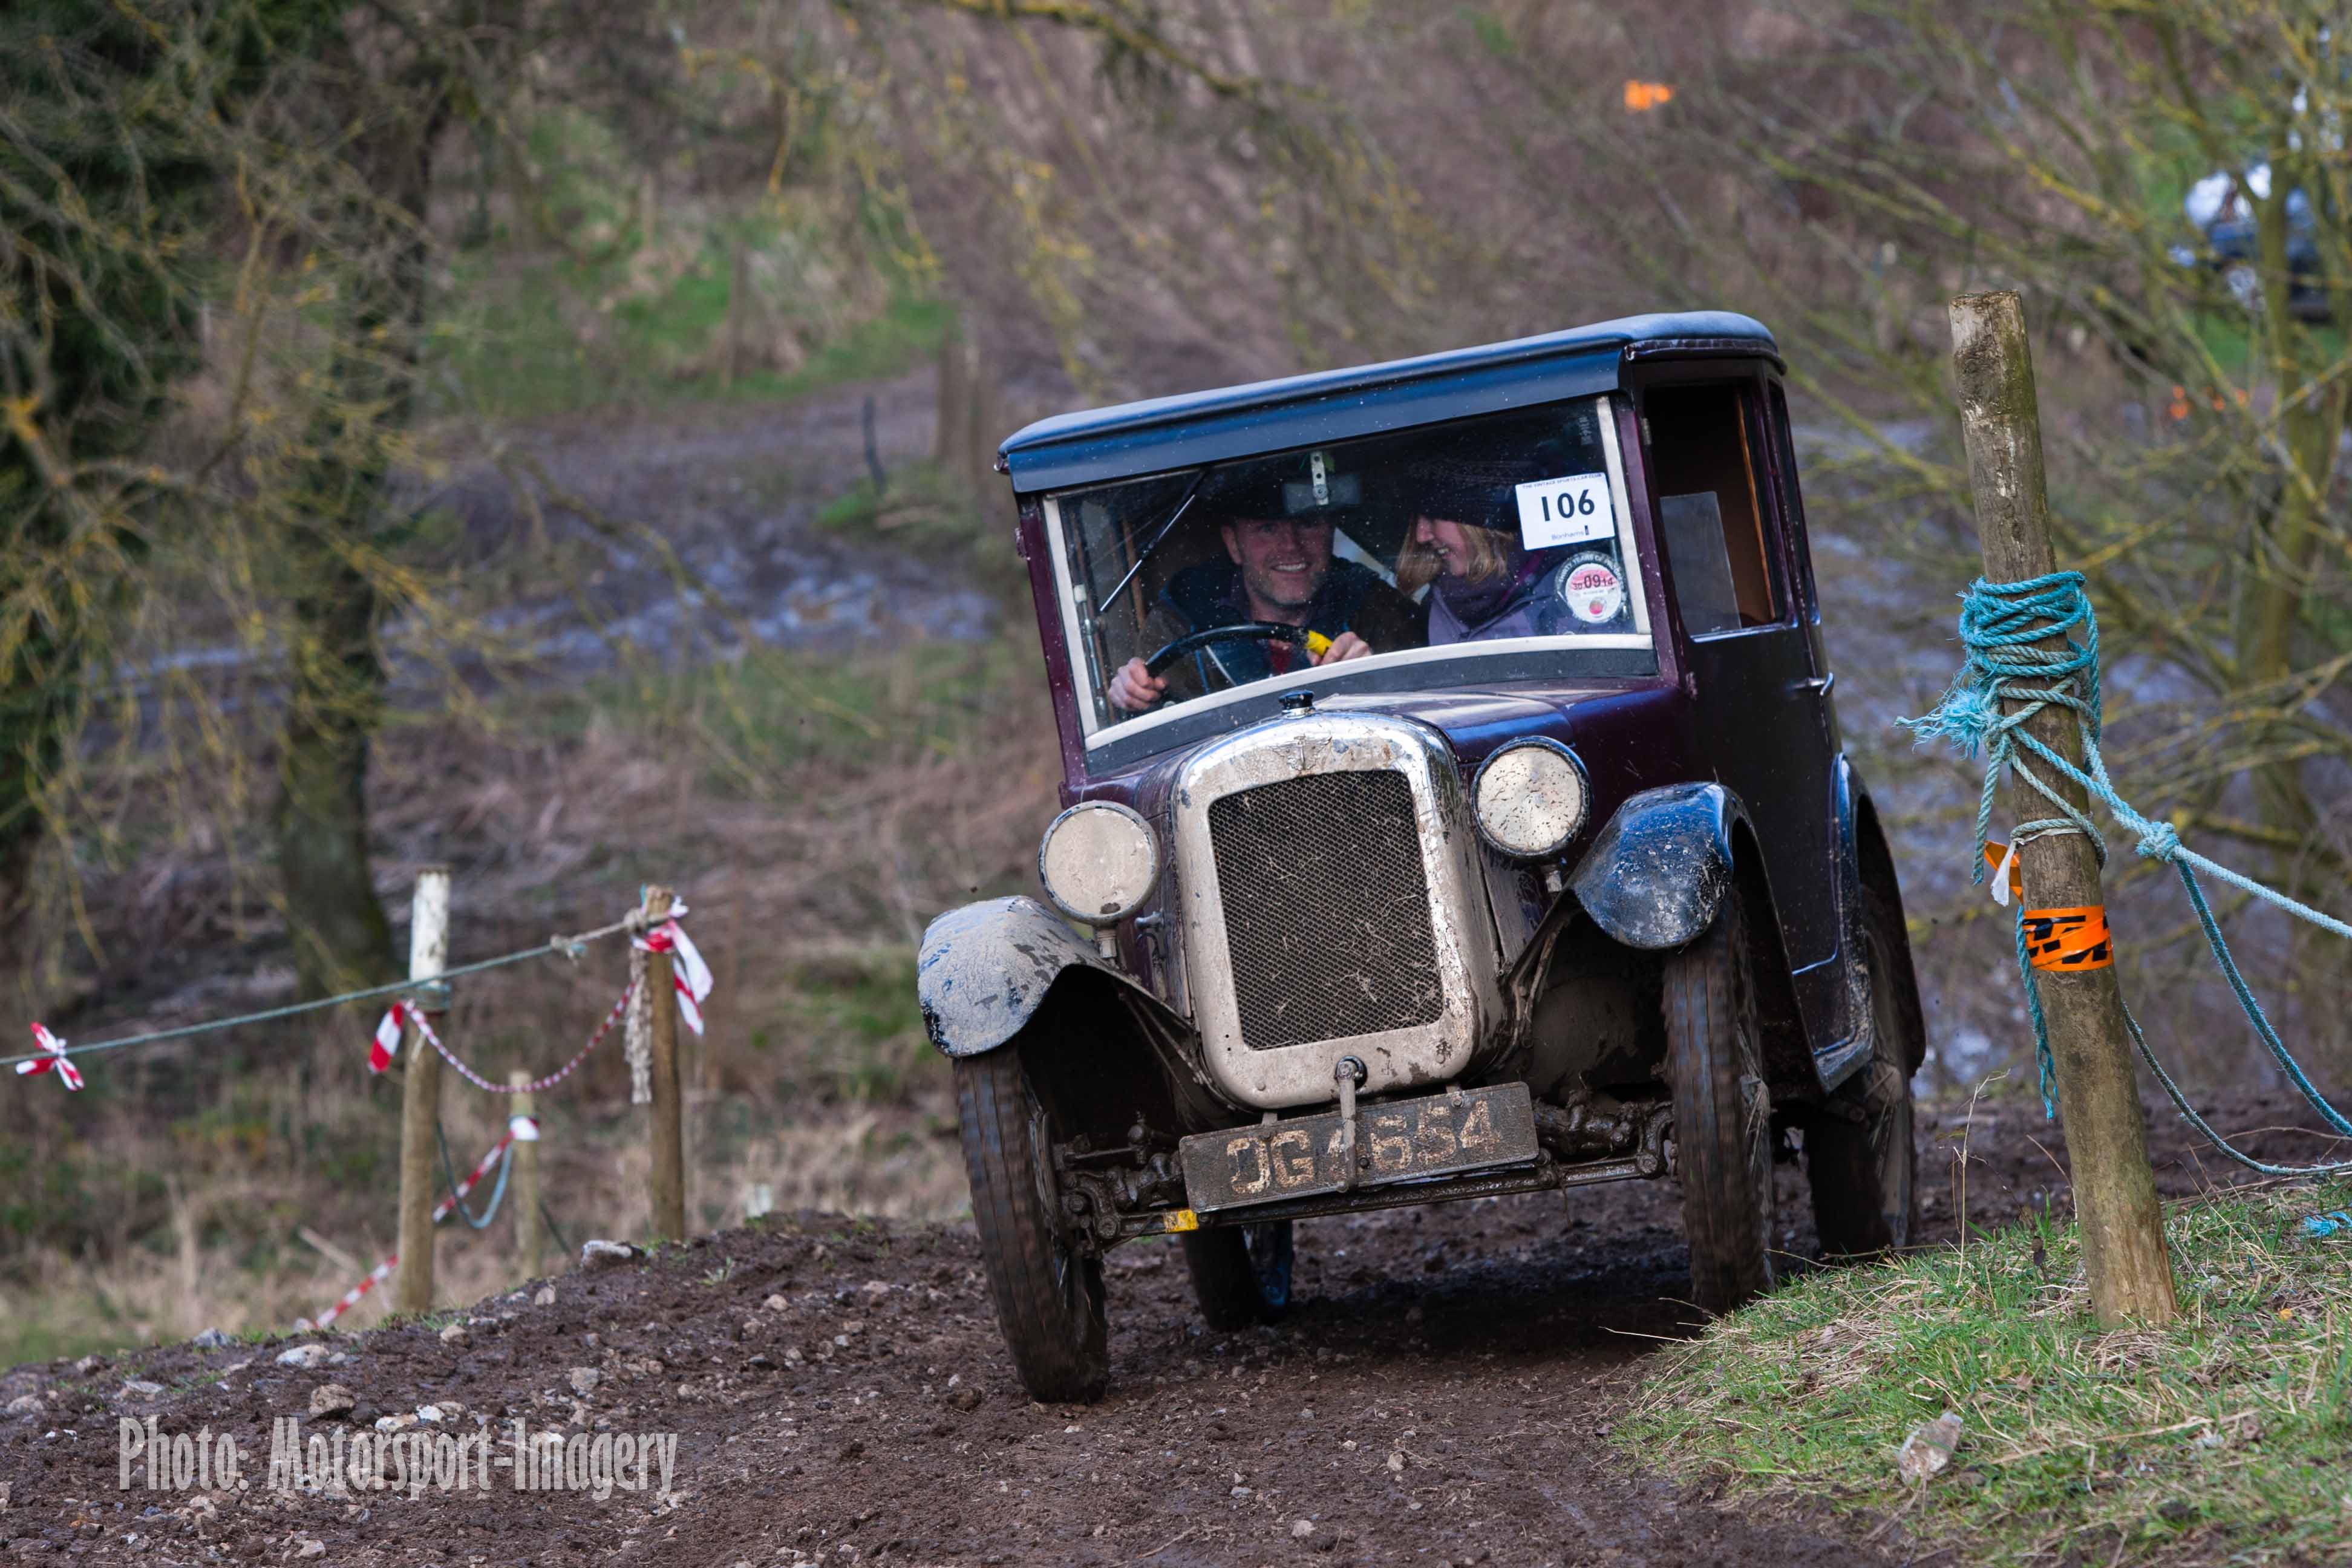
(1484, 584)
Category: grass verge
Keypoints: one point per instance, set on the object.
(2221, 1437)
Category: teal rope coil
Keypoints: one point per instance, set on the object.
(2007, 677)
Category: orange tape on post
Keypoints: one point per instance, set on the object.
(1998, 855)
(2066, 940)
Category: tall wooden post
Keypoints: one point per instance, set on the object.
(2106, 1138)
(668, 1131)
(530, 1225)
(420, 1097)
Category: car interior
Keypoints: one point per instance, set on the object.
(1371, 491)
(1708, 514)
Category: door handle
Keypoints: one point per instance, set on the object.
(1817, 684)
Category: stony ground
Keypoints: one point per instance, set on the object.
(1442, 1394)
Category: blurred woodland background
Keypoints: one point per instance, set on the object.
(551, 438)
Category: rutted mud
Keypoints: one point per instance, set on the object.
(1442, 1394)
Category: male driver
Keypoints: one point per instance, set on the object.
(1279, 569)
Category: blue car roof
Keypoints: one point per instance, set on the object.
(1100, 445)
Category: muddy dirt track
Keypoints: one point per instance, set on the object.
(1442, 1393)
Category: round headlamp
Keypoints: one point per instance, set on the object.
(1529, 798)
(1099, 862)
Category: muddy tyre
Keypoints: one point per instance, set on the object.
(1241, 1274)
(1049, 1296)
(1722, 1113)
(1860, 1155)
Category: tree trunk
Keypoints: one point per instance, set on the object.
(341, 937)
(2284, 552)
(37, 693)
(343, 940)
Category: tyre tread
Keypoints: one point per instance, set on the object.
(1703, 1001)
(1850, 1212)
(1059, 1361)
(1225, 1282)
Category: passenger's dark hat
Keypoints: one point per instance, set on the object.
(1481, 492)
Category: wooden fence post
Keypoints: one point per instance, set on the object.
(739, 315)
(961, 447)
(530, 1226)
(2122, 1223)
(668, 1131)
(949, 443)
(420, 1097)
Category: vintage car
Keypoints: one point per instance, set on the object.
(1455, 806)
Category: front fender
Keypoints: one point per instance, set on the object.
(986, 968)
(1657, 873)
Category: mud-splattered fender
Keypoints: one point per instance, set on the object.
(986, 968)
(1655, 876)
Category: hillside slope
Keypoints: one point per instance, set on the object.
(1442, 1391)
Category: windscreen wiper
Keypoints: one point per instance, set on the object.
(1158, 539)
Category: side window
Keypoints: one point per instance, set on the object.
(1709, 516)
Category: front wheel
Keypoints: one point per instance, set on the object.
(1241, 1274)
(1049, 1296)
(1722, 1113)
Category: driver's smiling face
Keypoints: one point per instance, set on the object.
(1283, 562)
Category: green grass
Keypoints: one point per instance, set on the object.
(861, 1005)
(2222, 1435)
(578, 298)
(778, 718)
(512, 352)
(933, 516)
(53, 1341)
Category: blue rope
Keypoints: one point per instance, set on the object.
(456, 1198)
(2007, 677)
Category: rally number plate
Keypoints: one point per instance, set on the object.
(1400, 1141)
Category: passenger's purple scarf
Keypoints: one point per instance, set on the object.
(1475, 603)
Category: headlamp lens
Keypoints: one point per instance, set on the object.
(1530, 798)
(1099, 862)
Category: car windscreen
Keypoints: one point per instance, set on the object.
(1401, 555)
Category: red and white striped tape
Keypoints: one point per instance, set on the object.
(688, 974)
(400, 1013)
(386, 1043)
(376, 1276)
(56, 1061)
(516, 1129)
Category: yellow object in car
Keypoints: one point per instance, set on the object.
(1317, 644)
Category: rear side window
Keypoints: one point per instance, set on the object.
(1709, 516)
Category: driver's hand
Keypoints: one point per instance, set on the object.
(1347, 644)
(1135, 689)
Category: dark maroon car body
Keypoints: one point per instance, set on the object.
(1714, 763)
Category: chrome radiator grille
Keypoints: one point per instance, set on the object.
(1327, 909)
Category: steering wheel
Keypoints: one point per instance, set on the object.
(1240, 631)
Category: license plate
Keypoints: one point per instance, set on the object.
(1400, 1141)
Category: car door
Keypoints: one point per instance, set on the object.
(1764, 722)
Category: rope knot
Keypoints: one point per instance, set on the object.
(1967, 717)
(2159, 841)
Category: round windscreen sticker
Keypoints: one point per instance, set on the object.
(1592, 590)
